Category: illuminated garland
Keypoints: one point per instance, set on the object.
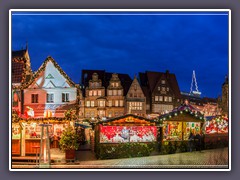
(42, 120)
(41, 69)
(165, 117)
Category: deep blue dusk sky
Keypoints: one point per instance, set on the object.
(130, 44)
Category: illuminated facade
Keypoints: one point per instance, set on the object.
(50, 92)
(135, 99)
(161, 91)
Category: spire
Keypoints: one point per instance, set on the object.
(194, 80)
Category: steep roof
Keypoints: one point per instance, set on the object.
(17, 72)
(43, 67)
(150, 79)
(19, 54)
(20, 66)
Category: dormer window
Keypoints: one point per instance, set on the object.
(117, 84)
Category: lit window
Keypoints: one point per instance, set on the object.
(99, 92)
(50, 97)
(156, 98)
(88, 103)
(94, 93)
(110, 92)
(90, 93)
(165, 98)
(114, 92)
(159, 88)
(119, 92)
(167, 88)
(163, 89)
(34, 98)
(110, 103)
(116, 103)
(65, 97)
(160, 98)
(121, 103)
(170, 99)
(92, 103)
(116, 84)
(102, 103)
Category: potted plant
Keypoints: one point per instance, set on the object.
(69, 142)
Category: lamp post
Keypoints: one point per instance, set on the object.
(44, 157)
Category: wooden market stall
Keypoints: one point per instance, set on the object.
(178, 124)
(26, 134)
(123, 132)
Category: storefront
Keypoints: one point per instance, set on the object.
(26, 134)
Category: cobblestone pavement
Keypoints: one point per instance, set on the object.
(217, 158)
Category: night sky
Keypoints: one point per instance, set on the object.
(130, 43)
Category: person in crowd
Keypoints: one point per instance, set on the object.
(198, 142)
(191, 141)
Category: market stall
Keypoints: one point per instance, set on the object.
(123, 131)
(216, 131)
(16, 139)
(26, 134)
(178, 124)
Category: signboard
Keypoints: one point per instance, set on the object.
(122, 134)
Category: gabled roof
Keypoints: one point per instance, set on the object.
(150, 79)
(105, 77)
(180, 111)
(20, 66)
(43, 67)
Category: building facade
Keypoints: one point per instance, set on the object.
(21, 74)
(135, 100)
(50, 92)
(95, 100)
(161, 91)
(115, 97)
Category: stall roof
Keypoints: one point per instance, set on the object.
(181, 110)
(126, 116)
